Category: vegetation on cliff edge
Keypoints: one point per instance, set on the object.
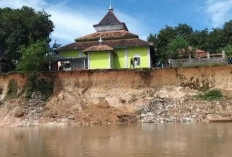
(210, 95)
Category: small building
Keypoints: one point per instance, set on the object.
(112, 46)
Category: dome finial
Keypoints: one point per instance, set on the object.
(110, 8)
(100, 41)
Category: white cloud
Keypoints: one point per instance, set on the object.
(70, 23)
(219, 11)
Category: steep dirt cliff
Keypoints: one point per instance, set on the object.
(114, 96)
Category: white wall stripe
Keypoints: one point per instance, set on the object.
(109, 58)
(126, 58)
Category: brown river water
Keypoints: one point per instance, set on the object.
(144, 140)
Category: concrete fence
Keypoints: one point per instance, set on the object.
(218, 59)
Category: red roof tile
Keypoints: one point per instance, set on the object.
(110, 35)
(112, 43)
(98, 48)
(200, 53)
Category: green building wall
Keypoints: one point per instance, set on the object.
(112, 61)
(138, 52)
(99, 60)
(122, 57)
(119, 59)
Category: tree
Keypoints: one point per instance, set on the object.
(227, 32)
(35, 57)
(165, 36)
(179, 47)
(228, 50)
(161, 40)
(210, 41)
(20, 27)
(183, 30)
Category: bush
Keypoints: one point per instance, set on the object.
(45, 88)
(211, 95)
(31, 84)
(12, 89)
(35, 57)
(38, 85)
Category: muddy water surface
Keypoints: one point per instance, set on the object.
(147, 140)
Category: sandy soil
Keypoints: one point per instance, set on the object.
(70, 106)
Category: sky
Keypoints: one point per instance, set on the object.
(75, 18)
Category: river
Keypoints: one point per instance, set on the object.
(144, 140)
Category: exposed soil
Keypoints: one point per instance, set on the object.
(167, 104)
(120, 96)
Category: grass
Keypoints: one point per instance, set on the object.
(210, 95)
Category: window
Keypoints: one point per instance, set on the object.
(137, 61)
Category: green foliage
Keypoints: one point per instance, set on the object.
(46, 88)
(38, 85)
(211, 95)
(179, 47)
(165, 37)
(12, 89)
(21, 27)
(34, 57)
(212, 41)
(31, 84)
(228, 50)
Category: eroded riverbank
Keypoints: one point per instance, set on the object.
(108, 97)
(168, 104)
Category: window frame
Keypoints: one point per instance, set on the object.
(137, 60)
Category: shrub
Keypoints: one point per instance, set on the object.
(38, 85)
(31, 84)
(211, 95)
(12, 89)
(45, 88)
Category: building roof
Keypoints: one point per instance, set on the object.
(109, 19)
(109, 35)
(98, 48)
(110, 22)
(200, 53)
(110, 29)
(136, 42)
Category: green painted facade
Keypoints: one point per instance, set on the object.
(118, 59)
(123, 56)
(138, 52)
(112, 62)
(99, 60)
